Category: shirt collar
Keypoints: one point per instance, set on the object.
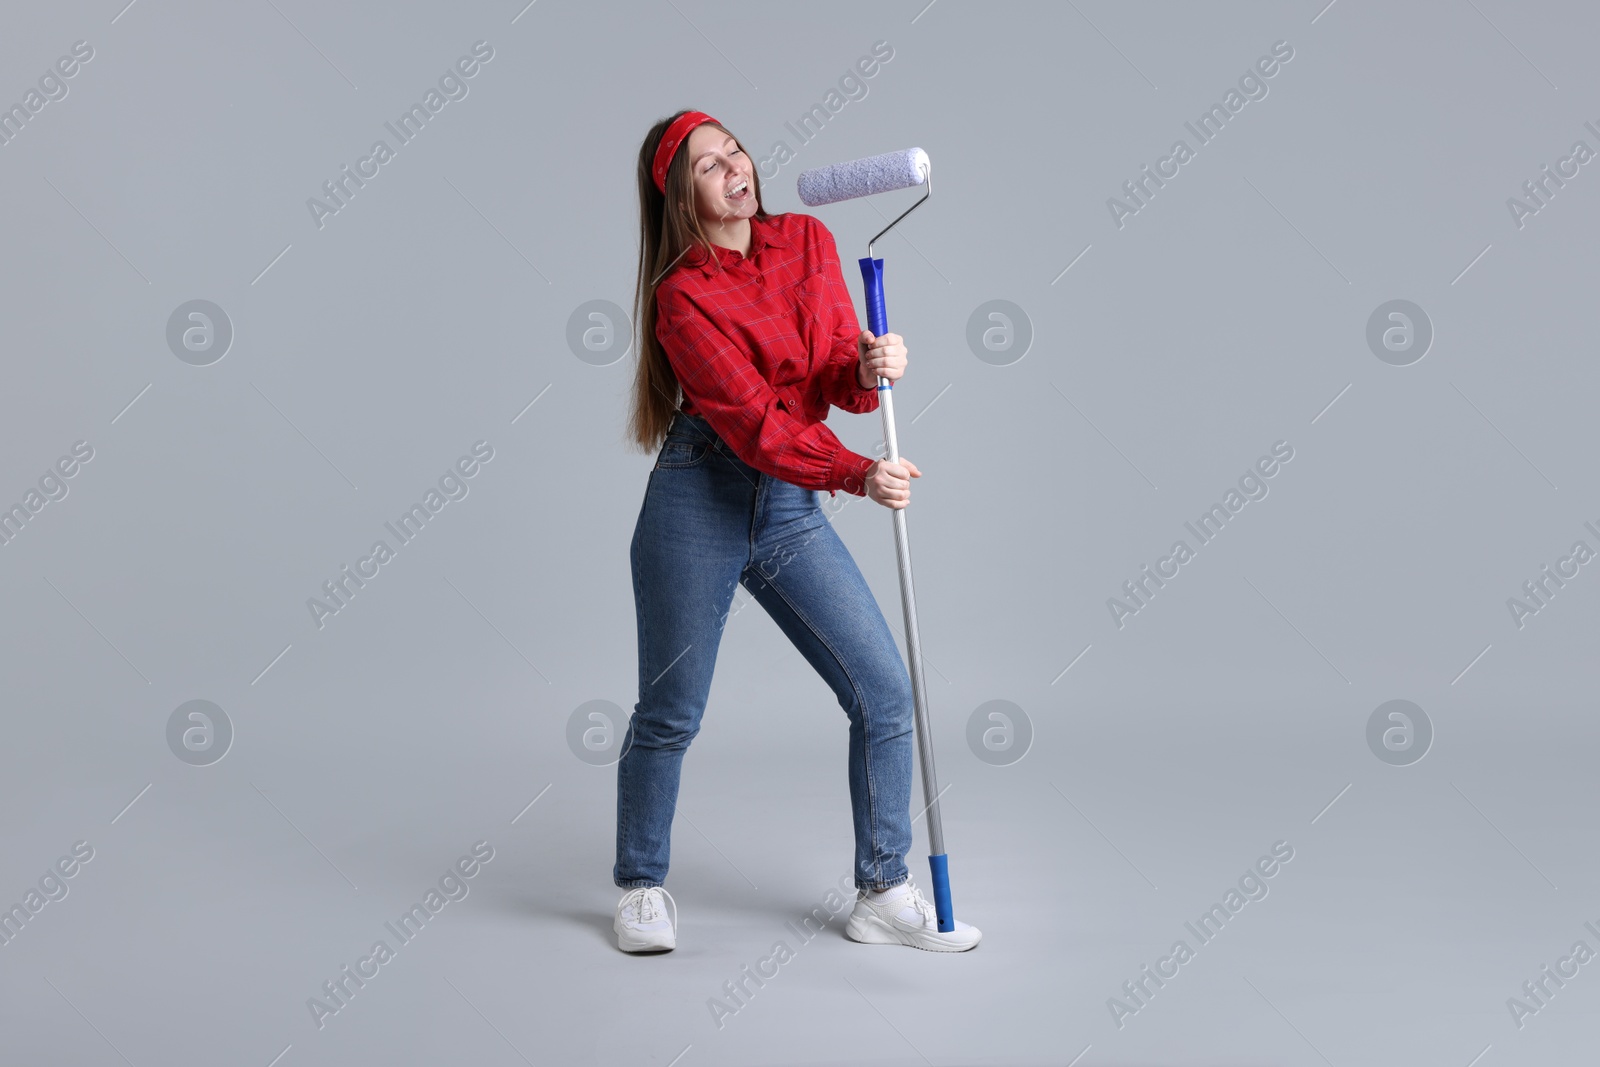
(763, 232)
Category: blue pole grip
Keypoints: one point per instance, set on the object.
(939, 865)
(872, 277)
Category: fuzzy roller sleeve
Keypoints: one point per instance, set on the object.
(764, 344)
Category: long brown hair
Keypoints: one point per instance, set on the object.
(665, 234)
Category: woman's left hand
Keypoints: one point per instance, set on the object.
(880, 356)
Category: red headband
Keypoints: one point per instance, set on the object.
(676, 134)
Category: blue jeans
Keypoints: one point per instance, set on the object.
(710, 522)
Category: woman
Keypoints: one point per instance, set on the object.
(748, 315)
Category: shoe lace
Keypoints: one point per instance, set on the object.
(645, 901)
(924, 907)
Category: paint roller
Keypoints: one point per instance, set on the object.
(829, 185)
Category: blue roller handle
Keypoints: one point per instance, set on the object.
(877, 318)
(938, 862)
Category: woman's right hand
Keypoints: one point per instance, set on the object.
(890, 483)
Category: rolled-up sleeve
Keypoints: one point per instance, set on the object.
(757, 421)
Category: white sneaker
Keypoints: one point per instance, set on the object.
(642, 924)
(906, 917)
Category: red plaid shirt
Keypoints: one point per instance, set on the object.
(764, 345)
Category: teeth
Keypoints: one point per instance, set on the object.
(737, 189)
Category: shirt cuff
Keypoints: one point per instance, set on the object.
(844, 389)
(849, 472)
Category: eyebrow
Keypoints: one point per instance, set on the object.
(708, 151)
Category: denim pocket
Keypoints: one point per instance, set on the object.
(678, 452)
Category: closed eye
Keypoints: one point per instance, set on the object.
(713, 166)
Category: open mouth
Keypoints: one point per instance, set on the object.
(740, 192)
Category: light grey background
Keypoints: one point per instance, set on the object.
(1230, 713)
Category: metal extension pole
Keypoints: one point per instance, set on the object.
(872, 273)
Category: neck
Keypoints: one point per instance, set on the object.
(732, 233)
